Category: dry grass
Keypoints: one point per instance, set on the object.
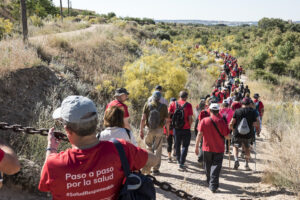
(282, 121)
(92, 54)
(15, 55)
(56, 27)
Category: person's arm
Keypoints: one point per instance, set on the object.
(126, 123)
(52, 143)
(232, 123)
(198, 139)
(9, 164)
(142, 126)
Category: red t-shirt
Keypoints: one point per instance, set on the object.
(233, 73)
(212, 141)
(1, 154)
(89, 174)
(223, 76)
(170, 131)
(203, 114)
(221, 96)
(236, 105)
(120, 105)
(260, 106)
(234, 87)
(188, 111)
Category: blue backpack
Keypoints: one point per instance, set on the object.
(137, 186)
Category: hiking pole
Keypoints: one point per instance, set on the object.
(229, 152)
(255, 155)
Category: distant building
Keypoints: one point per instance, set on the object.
(290, 21)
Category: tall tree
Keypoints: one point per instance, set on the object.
(68, 7)
(61, 11)
(24, 20)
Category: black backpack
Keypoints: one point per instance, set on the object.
(178, 117)
(136, 185)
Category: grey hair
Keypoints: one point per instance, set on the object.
(83, 128)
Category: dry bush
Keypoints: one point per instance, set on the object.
(15, 55)
(199, 85)
(282, 121)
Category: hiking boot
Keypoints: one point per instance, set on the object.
(236, 165)
(170, 160)
(155, 172)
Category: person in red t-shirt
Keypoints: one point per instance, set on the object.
(121, 95)
(9, 163)
(170, 137)
(223, 77)
(236, 104)
(213, 144)
(90, 169)
(182, 134)
(259, 107)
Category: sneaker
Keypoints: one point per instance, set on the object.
(236, 165)
(214, 190)
(169, 160)
(247, 168)
(181, 167)
(155, 172)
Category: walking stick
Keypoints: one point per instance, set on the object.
(229, 152)
(255, 154)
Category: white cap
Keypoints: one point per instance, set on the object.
(214, 106)
(76, 109)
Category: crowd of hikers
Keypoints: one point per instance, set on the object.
(92, 169)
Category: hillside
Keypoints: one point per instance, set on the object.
(94, 62)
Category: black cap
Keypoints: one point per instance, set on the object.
(121, 91)
(158, 87)
(256, 96)
(173, 99)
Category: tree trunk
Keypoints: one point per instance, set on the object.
(68, 7)
(61, 11)
(24, 20)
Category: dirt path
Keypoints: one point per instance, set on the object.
(234, 184)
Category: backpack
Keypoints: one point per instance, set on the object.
(178, 116)
(257, 106)
(135, 186)
(154, 116)
(243, 127)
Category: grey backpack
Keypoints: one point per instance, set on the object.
(243, 127)
(154, 116)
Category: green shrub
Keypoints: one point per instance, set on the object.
(294, 67)
(278, 67)
(264, 75)
(258, 61)
(285, 51)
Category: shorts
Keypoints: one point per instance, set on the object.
(238, 142)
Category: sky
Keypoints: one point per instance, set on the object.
(222, 10)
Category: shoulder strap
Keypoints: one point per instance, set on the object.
(128, 133)
(184, 105)
(215, 125)
(176, 103)
(123, 157)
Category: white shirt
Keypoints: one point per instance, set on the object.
(116, 132)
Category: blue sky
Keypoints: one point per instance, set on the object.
(227, 10)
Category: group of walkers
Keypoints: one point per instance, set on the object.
(236, 121)
(91, 169)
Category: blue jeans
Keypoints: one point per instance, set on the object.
(182, 137)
